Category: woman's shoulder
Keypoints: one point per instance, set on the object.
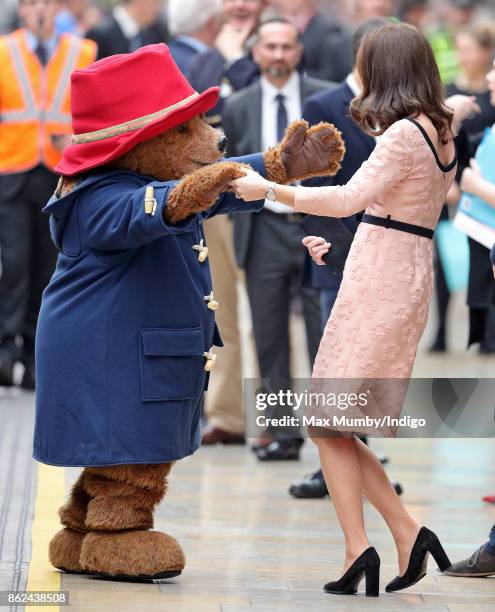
(400, 132)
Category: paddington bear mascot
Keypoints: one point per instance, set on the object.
(126, 331)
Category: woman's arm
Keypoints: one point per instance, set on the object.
(254, 187)
(389, 163)
(474, 183)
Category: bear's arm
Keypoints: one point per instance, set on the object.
(227, 201)
(114, 217)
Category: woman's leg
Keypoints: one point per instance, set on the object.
(380, 492)
(342, 472)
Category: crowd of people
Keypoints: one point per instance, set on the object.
(275, 62)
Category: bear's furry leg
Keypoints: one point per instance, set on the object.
(73, 512)
(119, 517)
(65, 546)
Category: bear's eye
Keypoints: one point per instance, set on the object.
(182, 128)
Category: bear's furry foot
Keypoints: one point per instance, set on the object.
(132, 555)
(65, 549)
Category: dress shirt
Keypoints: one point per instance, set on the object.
(269, 108)
(50, 44)
(353, 86)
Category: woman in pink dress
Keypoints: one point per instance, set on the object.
(382, 306)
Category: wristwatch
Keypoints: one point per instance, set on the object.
(270, 193)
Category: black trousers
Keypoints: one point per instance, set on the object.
(274, 272)
(27, 254)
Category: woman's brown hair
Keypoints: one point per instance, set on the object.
(400, 79)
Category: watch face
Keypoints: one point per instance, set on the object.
(270, 195)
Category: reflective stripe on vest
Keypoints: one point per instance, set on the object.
(31, 112)
(55, 111)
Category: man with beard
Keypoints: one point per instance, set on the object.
(269, 247)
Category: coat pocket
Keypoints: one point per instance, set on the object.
(171, 361)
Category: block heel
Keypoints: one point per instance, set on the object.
(367, 566)
(372, 576)
(426, 543)
(438, 553)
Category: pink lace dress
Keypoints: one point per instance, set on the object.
(382, 306)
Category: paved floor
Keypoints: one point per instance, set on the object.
(249, 545)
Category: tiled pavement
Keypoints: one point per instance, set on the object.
(250, 546)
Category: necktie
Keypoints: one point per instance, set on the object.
(42, 53)
(282, 119)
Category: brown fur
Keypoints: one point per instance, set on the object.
(73, 512)
(190, 153)
(199, 191)
(132, 553)
(65, 549)
(124, 496)
(173, 154)
(305, 152)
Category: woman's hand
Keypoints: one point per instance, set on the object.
(317, 248)
(464, 107)
(471, 178)
(250, 187)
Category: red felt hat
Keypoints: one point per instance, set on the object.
(122, 100)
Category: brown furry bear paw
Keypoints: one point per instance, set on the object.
(305, 152)
(199, 190)
(132, 555)
(65, 549)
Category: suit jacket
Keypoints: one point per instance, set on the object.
(183, 54)
(327, 50)
(333, 106)
(210, 69)
(111, 40)
(242, 126)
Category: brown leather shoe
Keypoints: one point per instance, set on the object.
(216, 435)
(479, 564)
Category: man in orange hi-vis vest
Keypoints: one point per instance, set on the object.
(35, 125)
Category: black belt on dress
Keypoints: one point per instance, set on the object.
(388, 222)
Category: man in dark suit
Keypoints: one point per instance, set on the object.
(333, 106)
(269, 247)
(194, 25)
(327, 44)
(131, 25)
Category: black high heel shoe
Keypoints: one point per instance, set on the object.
(366, 565)
(426, 542)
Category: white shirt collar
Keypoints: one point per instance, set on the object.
(127, 24)
(290, 90)
(354, 87)
(33, 41)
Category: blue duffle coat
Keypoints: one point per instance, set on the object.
(124, 325)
